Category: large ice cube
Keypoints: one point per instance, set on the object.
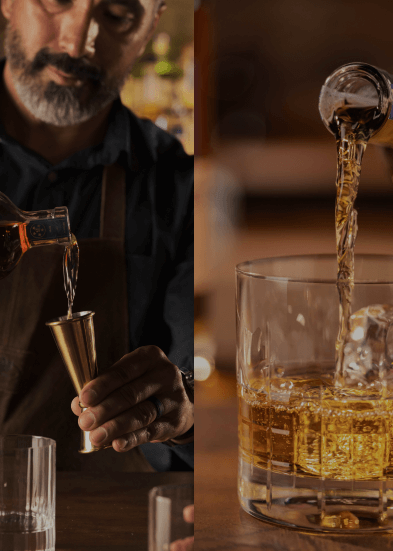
(368, 348)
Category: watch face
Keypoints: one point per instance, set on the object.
(188, 373)
(188, 377)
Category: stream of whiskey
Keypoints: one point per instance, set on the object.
(70, 272)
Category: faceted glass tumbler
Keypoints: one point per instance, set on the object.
(27, 493)
(313, 455)
(166, 521)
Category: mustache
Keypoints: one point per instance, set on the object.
(79, 68)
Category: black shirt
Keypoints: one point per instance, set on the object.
(159, 228)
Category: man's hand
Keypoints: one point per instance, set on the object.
(118, 410)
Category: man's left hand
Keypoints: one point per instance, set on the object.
(119, 412)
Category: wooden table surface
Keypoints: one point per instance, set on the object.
(220, 523)
(106, 512)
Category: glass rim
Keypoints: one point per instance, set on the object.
(48, 441)
(240, 268)
(76, 317)
(155, 489)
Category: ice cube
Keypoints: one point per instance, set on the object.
(368, 348)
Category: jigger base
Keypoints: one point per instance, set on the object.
(94, 449)
(86, 445)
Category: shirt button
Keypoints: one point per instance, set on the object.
(52, 177)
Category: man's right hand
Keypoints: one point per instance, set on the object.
(119, 410)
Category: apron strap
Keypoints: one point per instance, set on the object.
(113, 203)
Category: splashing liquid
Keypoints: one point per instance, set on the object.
(70, 272)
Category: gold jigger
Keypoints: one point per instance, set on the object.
(76, 343)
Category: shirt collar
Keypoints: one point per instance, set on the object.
(115, 144)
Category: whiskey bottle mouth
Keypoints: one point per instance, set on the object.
(356, 88)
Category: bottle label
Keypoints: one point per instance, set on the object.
(47, 229)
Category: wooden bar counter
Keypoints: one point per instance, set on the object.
(107, 512)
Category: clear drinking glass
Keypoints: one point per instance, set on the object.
(166, 521)
(27, 493)
(313, 455)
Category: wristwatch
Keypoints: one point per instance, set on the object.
(188, 381)
(188, 378)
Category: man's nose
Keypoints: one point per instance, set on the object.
(78, 32)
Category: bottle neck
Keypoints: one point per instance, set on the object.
(358, 95)
(48, 227)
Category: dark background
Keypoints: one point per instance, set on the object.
(270, 59)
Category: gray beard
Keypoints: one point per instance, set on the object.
(59, 105)
(52, 103)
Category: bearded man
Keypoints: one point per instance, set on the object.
(67, 140)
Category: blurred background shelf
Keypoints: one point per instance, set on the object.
(266, 165)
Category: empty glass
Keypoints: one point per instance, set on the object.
(27, 493)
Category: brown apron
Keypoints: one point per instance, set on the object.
(35, 390)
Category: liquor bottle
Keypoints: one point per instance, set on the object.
(361, 96)
(21, 231)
